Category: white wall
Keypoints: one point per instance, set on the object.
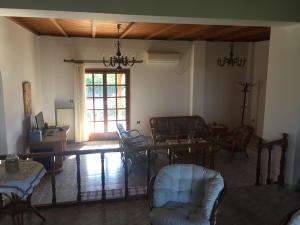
(259, 78)
(197, 80)
(283, 93)
(223, 96)
(17, 64)
(3, 141)
(156, 89)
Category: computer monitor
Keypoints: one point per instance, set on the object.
(40, 123)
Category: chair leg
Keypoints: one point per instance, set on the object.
(246, 154)
(232, 154)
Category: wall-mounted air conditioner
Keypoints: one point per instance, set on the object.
(163, 57)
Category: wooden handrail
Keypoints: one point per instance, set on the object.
(170, 149)
(283, 144)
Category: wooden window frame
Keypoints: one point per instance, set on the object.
(110, 135)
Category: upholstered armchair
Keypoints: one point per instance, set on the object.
(185, 194)
(293, 218)
(236, 140)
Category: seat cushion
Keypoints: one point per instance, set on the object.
(295, 219)
(187, 183)
(175, 213)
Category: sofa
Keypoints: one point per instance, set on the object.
(185, 194)
(178, 127)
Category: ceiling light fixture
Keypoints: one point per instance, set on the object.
(119, 60)
(231, 60)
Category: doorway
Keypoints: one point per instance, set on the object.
(107, 102)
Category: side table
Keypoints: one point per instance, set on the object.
(18, 188)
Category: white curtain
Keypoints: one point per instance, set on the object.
(81, 133)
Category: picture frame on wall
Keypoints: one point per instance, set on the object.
(27, 98)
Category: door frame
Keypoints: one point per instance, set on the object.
(112, 135)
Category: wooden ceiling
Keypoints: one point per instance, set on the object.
(147, 31)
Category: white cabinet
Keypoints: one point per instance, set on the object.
(66, 117)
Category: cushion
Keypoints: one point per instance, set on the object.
(295, 219)
(187, 183)
(175, 213)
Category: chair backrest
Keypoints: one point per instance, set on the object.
(187, 183)
(121, 131)
(242, 135)
(174, 125)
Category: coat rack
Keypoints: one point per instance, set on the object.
(246, 89)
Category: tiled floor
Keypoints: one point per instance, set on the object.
(239, 173)
(255, 205)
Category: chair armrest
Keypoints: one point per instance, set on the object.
(150, 191)
(132, 132)
(213, 216)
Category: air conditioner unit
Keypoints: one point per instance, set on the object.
(163, 57)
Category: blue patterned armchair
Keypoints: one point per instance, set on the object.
(185, 194)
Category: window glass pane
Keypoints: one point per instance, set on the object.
(111, 91)
(99, 115)
(98, 79)
(111, 79)
(89, 103)
(111, 126)
(111, 114)
(98, 91)
(89, 115)
(121, 114)
(89, 91)
(121, 91)
(98, 103)
(121, 102)
(90, 127)
(99, 127)
(111, 103)
(89, 78)
(121, 79)
(123, 123)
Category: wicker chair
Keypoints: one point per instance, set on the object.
(236, 140)
(185, 194)
(293, 218)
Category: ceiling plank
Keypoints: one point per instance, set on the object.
(127, 30)
(94, 28)
(167, 28)
(222, 31)
(190, 31)
(241, 35)
(59, 27)
(25, 26)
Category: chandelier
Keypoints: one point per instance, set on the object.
(231, 60)
(119, 60)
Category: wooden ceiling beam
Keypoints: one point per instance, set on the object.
(188, 32)
(222, 32)
(127, 30)
(24, 25)
(94, 28)
(160, 31)
(59, 27)
(251, 31)
(261, 36)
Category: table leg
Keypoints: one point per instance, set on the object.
(17, 207)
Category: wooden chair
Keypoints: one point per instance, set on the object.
(236, 140)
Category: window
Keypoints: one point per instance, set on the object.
(107, 102)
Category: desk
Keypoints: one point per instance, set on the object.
(54, 140)
(18, 188)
